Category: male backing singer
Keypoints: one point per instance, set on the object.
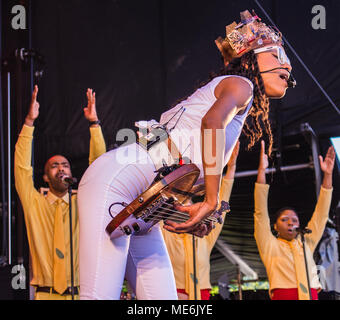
(47, 217)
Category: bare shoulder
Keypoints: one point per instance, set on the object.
(237, 88)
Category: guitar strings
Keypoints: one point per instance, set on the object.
(184, 214)
(180, 218)
(181, 215)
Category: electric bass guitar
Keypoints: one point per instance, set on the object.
(172, 185)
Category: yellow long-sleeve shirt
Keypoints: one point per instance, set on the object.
(39, 210)
(180, 248)
(276, 253)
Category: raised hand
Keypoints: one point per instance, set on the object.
(33, 112)
(263, 163)
(327, 164)
(90, 112)
(234, 155)
(231, 166)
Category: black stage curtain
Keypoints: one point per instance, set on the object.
(141, 57)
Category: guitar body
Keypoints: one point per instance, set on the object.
(155, 203)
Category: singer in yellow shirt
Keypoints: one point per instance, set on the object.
(49, 247)
(283, 256)
(180, 248)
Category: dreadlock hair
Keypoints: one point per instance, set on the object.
(258, 120)
(257, 123)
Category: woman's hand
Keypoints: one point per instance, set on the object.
(33, 112)
(234, 155)
(197, 213)
(263, 165)
(327, 165)
(231, 165)
(90, 112)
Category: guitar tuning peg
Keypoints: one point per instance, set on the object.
(224, 206)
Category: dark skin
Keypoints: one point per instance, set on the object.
(232, 98)
(233, 95)
(58, 166)
(55, 168)
(288, 220)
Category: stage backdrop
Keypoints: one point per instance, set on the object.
(142, 56)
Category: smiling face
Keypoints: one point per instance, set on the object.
(286, 223)
(55, 168)
(275, 81)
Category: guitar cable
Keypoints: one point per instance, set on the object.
(123, 204)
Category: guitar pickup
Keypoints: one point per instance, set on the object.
(151, 212)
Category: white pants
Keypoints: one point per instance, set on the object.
(120, 176)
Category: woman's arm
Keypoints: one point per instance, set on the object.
(262, 230)
(319, 219)
(224, 195)
(263, 165)
(233, 94)
(231, 166)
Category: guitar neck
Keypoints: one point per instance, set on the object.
(179, 217)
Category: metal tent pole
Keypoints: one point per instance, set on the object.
(9, 173)
(306, 128)
(4, 251)
(273, 170)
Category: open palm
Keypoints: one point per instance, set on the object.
(90, 112)
(327, 164)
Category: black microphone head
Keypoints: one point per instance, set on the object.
(291, 81)
(68, 180)
(303, 230)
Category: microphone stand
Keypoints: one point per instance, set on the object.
(71, 238)
(302, 234)
(194, 262)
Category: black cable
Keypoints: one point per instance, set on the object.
(180, 116)
(166, 123)
(123, 204)
(291, 80)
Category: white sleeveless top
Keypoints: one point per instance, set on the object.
(187, 132)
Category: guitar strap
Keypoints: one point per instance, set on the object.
(158, 143)
(164, 153)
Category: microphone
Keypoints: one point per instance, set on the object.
(68, 180)
(302, 230)
(291, 80)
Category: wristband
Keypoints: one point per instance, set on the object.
(94, 122)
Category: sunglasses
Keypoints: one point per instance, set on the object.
(281, 54)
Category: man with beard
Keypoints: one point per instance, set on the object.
(47, 216)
